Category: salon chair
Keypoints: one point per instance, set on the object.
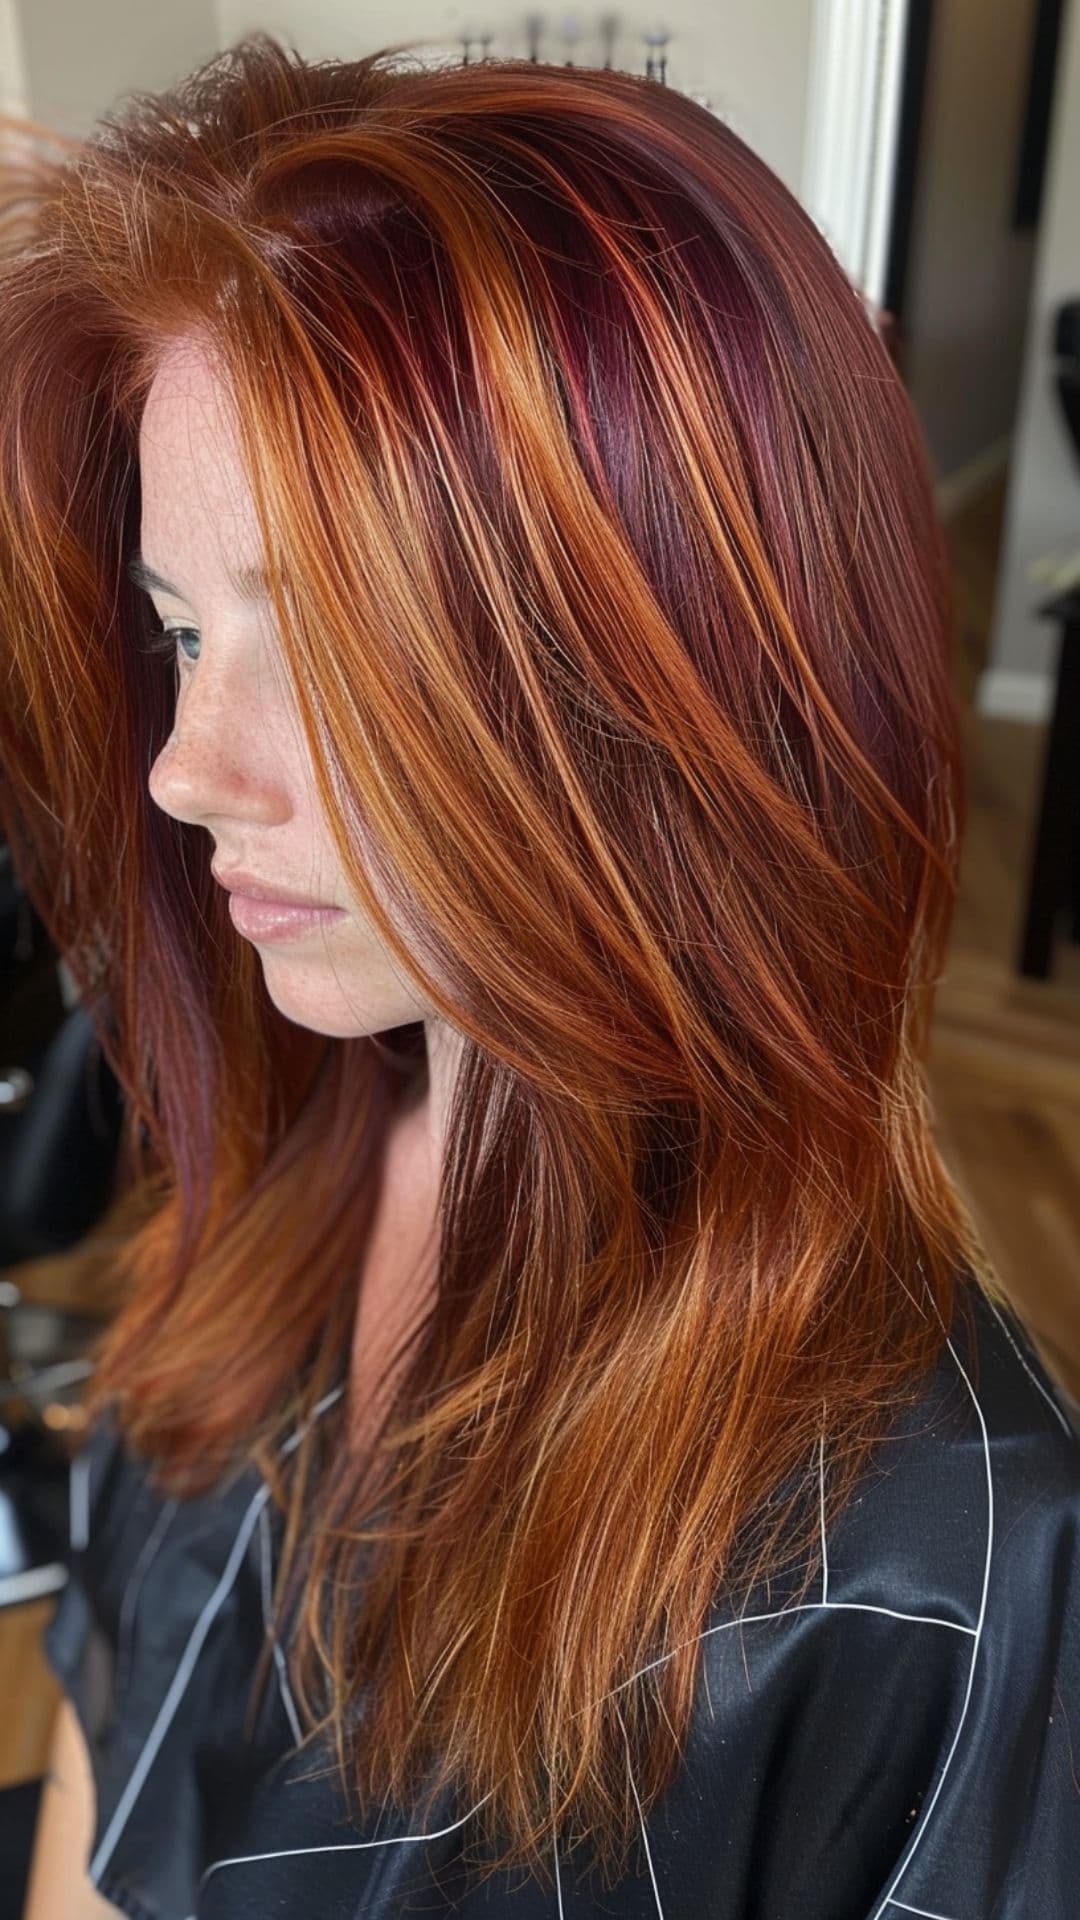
(60, 1121)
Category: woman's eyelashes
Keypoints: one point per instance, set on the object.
(163, 642)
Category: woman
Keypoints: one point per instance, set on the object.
(562, 1448)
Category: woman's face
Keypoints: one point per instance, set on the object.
(236, 761)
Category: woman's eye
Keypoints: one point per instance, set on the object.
(165, 640)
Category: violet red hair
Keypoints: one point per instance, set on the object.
(610, 583)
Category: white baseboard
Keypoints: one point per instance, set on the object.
(1001, 693)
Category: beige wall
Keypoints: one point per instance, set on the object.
(1042, 514)
(751, 57)
(78, 56)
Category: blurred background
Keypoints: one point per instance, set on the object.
(937, 145)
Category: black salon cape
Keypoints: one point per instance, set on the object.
(905, 1741)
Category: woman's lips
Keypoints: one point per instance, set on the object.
(272, 920)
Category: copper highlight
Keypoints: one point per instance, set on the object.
(608, 577)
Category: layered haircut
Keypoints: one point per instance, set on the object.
(601, 542)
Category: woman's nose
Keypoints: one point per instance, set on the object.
(219, 760)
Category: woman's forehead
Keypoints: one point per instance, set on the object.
(197, 508)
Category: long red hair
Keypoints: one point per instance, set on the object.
(608, 577)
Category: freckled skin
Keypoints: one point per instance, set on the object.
(236, 763)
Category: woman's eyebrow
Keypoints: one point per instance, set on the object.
(250, 582)
(143, 576)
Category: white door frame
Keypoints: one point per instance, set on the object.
(852, 125)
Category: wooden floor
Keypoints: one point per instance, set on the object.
(1004, 1074)
(1005, 1057)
